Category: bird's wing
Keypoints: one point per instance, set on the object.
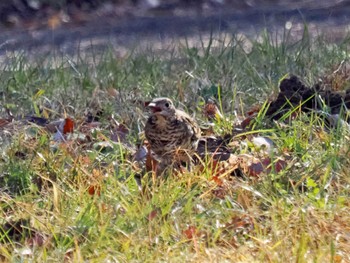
(184, 117)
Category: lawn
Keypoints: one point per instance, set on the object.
(75, 198)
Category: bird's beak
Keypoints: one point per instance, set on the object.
(153, 107)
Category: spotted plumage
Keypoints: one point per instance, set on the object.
(172, 134)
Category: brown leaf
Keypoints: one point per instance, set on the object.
(62, 128)
(280, 165)
(190, 232)
(220, 192)
(255, 169)
(68, 126)
(247, 121)
(254, 111)
(152, 215)
(85, 160)
(151, 162)
(94, 189)
(338, 259)
(3, 122)
(265, 165)
(217, 180)
(240, 223)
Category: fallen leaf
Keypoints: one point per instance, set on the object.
(247, 122)
(85, 160)
(3, 122)
(68, 126)
(254, 110)
(151, 162)
(240, 223)
(94, 189)
(217, 180)
(265, 165)
(62, 127)
(152, 215)
(256, 169)
(190, 232)
(220, 192)
(280, 165)
(338, 259)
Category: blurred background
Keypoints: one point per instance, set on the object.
(40, 25)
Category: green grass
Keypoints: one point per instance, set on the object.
(300, 214)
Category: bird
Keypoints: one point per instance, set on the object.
(171, 133)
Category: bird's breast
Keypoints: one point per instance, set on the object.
(159, 122)
(168, 134)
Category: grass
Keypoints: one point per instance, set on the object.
(75, 201)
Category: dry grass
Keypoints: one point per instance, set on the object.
(78, 200)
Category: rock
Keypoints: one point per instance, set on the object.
(294, 93)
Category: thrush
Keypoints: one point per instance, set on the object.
(172, 134)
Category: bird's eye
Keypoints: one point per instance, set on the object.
(167, 104)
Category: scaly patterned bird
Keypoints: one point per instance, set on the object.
(172, 134)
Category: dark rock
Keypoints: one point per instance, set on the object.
(294, 93)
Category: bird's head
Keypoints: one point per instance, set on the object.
(162, 106)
